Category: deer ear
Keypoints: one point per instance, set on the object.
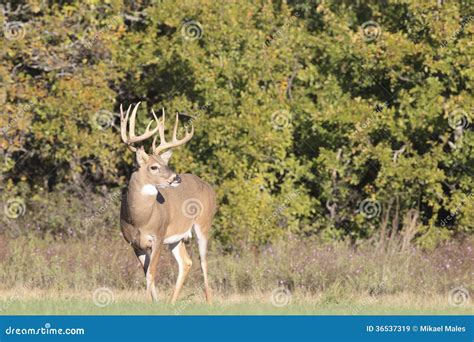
(166, 156)
(142, 156)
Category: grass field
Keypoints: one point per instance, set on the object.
(39, 302)
(300, 277)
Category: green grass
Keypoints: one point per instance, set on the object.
(255, 304)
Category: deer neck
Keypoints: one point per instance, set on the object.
(141, 200)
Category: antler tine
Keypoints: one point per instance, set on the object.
(123, 123)
(161, 131)
(132, 121)
(175, 129)
(151, 122)
(164, 145)
(123, 127)
(162, 128)
(148, 133)
(132, 138)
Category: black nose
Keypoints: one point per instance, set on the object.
(177, 179)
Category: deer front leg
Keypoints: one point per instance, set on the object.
(144, 258)
(156, 247)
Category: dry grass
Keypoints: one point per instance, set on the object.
(45, 275)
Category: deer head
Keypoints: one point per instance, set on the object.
(153, 167)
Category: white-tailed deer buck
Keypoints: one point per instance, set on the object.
(162, 207)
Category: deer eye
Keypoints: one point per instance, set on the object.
(154, 168)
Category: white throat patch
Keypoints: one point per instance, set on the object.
(149, 190)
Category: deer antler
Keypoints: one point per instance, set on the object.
(132, 138)
(164, 145)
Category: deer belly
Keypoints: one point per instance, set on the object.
(178, 237)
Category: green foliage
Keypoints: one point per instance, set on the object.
(301, 115)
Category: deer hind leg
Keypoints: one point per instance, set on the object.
(202, 243)
(152, 269)
(179, 252)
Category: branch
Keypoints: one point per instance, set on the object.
(290, 81)
(399, 152)
(138, 17)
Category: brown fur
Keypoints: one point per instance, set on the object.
(148, 220)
